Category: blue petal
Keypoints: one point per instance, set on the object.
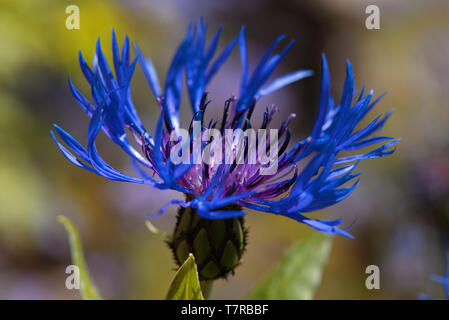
(220, 60)
(244, 59)
(165, 207)
(324, 99)
(173, 86)
(82, 101)
(283, 81)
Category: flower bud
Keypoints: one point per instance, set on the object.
(217, 245)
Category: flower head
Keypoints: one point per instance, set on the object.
(443, 280)
(217, 189)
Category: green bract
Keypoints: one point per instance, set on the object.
(217, 245)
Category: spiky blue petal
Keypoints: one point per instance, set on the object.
(327, 178)
(443, 280)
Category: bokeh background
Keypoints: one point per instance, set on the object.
(401, 203)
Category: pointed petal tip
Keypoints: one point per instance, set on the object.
(308, 73)
(137, 50)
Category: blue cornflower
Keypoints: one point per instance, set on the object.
(221, 191)
(443, 280)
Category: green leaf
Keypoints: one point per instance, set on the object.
(299, 272)
(186, 284)
(87, 288)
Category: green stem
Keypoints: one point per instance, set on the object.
(206, 288)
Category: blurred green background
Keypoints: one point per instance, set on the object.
(401, 203)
